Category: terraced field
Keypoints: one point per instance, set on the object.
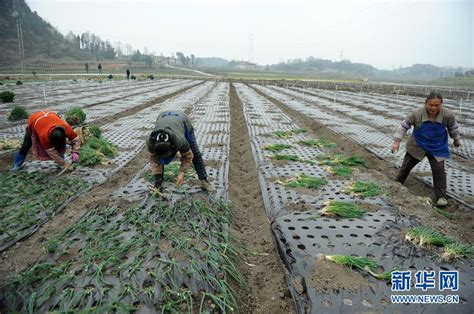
(284, 162)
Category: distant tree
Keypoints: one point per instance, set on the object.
(193, 59)
(148, 60)
(180, 56)
(458, 74)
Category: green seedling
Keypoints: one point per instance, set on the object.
(424, 236)
(363, 189)
(288, 134)
(342, 209)
(276, 147)
(284, 157)
(18, 113)
(304, 181)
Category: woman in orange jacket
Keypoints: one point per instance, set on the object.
(46, 133)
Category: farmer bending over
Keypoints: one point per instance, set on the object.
(432, 124)
(46, 132)
(173, 132)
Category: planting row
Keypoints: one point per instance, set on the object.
(126, 134)
(326, 211)
(83, 99)
(460, 179)
(169, 256)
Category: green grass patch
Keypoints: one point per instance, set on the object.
(277, 147)
(304, 181)
(7, 96)
(17, 114)
(424, 236)
(75, 116)
(320, 142)
(363, 189)
(342, 209)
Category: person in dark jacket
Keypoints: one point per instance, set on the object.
(432, 124)
(128, 74)
(174, 133)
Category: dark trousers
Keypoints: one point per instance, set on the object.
(437, 169)
(27, 143)
(198, 163)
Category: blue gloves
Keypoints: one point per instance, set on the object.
(18, 161)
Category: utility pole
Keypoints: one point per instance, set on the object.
(21, 48)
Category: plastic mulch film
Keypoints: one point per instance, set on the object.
(461, 179)
(128, 134)
(135, 259)
(173, 256)
(28, 200)
(379, 236)
(301, 234)
(96, 107)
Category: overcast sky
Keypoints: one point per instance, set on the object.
(384, 33)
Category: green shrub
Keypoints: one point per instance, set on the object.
(111, 76)
(151, 77)
(7, 96)
(17, 114)
(19, 83)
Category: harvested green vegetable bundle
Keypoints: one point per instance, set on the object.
(304, 181)
(424, 236)
(364, 189)
(75, 116)
(18, 113)
(457, 250)
(97, 149)
(342, 209)
(360, 263)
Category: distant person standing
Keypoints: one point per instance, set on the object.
(100, 68)
(128, 74)
(87, 67)
(431, 126)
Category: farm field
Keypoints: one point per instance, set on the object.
(301, 175)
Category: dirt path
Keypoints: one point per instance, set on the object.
(411, 198)
(267, 288)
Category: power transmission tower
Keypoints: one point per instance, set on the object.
(21, 48)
